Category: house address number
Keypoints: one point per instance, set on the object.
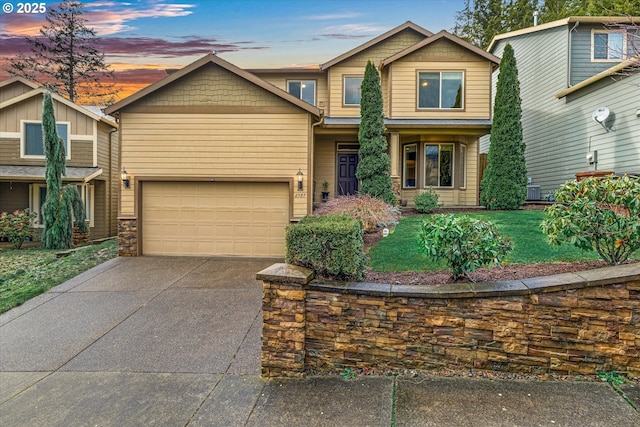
(301, 195)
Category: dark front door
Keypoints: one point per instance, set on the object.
(347, 181)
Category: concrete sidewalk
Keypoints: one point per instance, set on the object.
(176, 341)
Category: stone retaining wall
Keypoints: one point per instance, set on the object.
(565, 324)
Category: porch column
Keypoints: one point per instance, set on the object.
(394, 155)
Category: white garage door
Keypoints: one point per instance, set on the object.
(214, 218)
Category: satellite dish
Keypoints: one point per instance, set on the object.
(600, 115)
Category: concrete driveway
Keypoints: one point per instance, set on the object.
(176, 341)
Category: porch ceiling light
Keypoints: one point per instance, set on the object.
(125, 178)
(299, 175)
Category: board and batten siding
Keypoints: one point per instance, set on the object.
(12, 90)
(215, 145)
(81, 132)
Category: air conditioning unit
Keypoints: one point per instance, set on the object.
(533, 192)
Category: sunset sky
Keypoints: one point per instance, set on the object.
(142, 38)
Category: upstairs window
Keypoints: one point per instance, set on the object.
(32, 144)
(352, 91)
(441, 89)
(303, 89)
(608, 46)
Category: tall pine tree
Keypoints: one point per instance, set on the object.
(64, 58)
(504, 184)
(374, 164)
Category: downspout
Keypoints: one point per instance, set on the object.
(110, 216)
(312, 174)
(569, 54)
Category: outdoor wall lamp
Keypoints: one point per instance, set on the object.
(299, 175)
(125, 178)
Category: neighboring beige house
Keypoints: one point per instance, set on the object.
(92, 155)
(215, 152)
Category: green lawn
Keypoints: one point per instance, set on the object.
(26, 273)
(400, 251)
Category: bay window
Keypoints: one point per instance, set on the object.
(438, 166)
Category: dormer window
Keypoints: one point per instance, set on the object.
(352, 91)
(303, 89)
(608, 46)
(440, 89)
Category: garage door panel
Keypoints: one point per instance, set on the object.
(204, 218)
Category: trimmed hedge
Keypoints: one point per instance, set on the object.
(330, 245)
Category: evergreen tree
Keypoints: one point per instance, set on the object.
(64, 58)
(504, 184)
(374, 164)
(59, 201)
(480, 21)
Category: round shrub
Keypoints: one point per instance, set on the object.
(463, 242)
(426, 201)
(371, 211)
(597, 213)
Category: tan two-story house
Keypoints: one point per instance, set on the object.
(91, 146)
(222, 159)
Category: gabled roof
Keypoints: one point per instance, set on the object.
(213, 59)
(60, 99)
(633, 62)
(566, 21)
(375, 41)
(22, 80)
(439, 36)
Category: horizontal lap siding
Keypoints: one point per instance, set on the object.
(477, 84)
(280, 81)
(336, 77)
(223, 145)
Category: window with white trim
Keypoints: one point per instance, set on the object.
(608, 45)
(32, 144)
(38, 194)
(303, 89)
(441, 89)
(352, 90)
(438, 165)
(410, 159)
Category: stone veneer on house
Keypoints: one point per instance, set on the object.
(573, 323)
(127, 237)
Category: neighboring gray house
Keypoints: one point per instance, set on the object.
(569, 69)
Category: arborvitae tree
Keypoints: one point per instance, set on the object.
(374, 164)
(504, 184)
(64, 58)
(59, 201)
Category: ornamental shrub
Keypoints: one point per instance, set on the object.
(426, 201)
(330, 245)
(16, 226)
(463, 242)
(371, 211)
(597, 213)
